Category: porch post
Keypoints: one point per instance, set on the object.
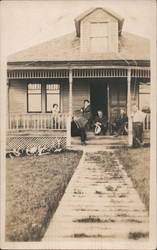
(130, 130)
(8, 104)
(70, 109)
(108, 101)
(43, 97)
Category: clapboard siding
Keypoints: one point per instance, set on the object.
(81, 91)
(118, 97)
(18, 96)
(65, 96)
(134, 93)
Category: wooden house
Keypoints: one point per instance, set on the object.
(98, 62)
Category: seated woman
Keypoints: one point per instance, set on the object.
(119, 127)
(78, 127)
(55, 109)
(100, 123)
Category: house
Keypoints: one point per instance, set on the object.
(98, 62)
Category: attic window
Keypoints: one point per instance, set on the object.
(99, 37)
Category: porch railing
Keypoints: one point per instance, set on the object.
(47, 121)
(17, 121)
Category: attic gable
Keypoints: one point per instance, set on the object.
(90, 11)
(99, 31)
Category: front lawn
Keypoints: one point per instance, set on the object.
(34, 187)
(137, 165)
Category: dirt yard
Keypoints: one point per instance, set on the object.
(34, 187)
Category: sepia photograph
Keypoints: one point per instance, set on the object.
(78, 124)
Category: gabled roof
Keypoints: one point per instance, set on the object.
(88, 12)
(67, 48)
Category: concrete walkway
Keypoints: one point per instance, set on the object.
(100, 203)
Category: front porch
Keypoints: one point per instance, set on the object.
(118, 85)
(29, 130)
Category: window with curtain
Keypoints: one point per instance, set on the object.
(34, 97)
(99, 37)
(52, 96)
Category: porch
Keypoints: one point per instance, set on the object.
(107, 81)
(28, 130)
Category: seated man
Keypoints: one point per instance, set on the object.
(100, 123)
(120, 123)
(78, 127)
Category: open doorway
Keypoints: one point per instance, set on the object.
(98, 97)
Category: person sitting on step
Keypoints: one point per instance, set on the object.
(121, 124)
(100, 123)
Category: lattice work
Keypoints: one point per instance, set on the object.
(28, 142)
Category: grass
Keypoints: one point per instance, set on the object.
(34, 187)
(137, 165)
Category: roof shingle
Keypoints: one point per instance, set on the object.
(67, 48)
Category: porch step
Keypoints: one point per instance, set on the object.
(108, 141)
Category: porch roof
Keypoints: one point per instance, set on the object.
(67, 49)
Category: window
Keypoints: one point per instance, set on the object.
(34, 97)
(98, 44)
(99, 37)
(99, 29)
(52, 96)
(144, 96)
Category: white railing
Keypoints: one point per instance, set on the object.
(46, 121)
(40, 121)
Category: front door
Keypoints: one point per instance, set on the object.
(118, 97)
(98, 97)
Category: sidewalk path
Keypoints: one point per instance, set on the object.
(99, 203)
